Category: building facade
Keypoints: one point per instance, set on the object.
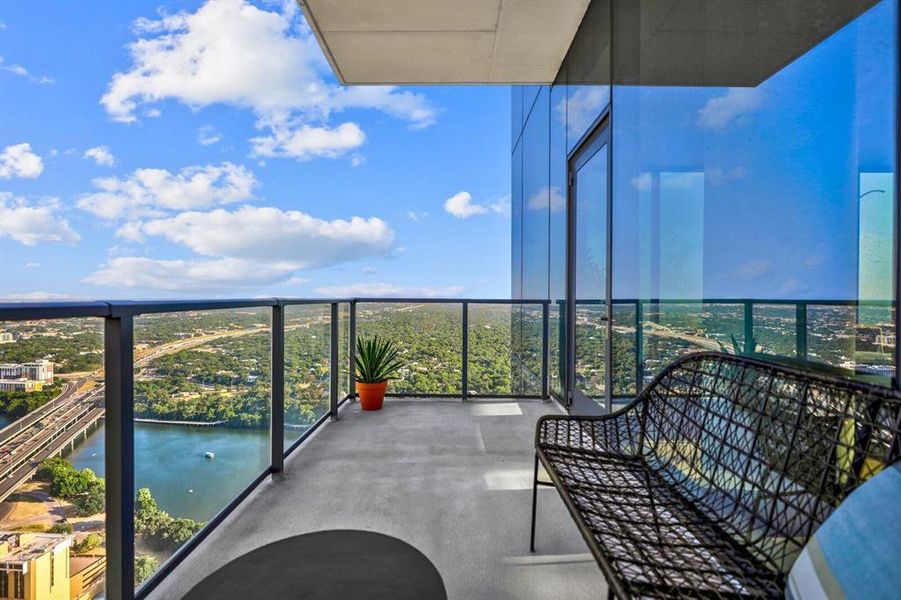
(709, 176)
(34, 566)
(30, 375)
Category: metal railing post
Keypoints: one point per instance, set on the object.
(545, 364)
(465, 341)
(352, 350)
(801, 330)
(333, 363)
(750, 346)
(118, 361)
(639, 348)
(277, 420)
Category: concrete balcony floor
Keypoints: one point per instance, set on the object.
(453, 479)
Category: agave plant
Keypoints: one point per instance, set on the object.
(377, 360)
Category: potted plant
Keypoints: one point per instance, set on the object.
(376, 363)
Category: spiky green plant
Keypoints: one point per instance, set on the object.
(377, 360)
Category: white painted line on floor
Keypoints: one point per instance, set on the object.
(496, 409)
(546, 559)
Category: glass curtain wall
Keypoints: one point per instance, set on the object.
(769, 180)
(753, 179)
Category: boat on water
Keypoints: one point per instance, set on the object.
(210, 455)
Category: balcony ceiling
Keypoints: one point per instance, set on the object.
(445, 41)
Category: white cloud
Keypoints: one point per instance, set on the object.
(149, 192)
(31, 265)
(548, 196)
(31, 224)
(719, 111)
(20, 71)
(415, 216)
(101, 156)
(208, 135)
(388, 290)
(246, 247)
(214, 275)
(305, 142)
(231, 52)
(270, 234)
(461, 206)
(19, 161)
(582, 107)
(40, 297)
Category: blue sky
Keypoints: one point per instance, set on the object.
(152, 149)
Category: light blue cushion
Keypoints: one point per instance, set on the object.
(856, 553)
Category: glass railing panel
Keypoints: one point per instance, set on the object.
(557, 348)
(307, 367)
(624, 349)
(591, 340)
(52, 446)
(532, 335)
(429, 337)
(852, 337)
(875, 342)
(202, 411)
(775, 329)
(491, 361)
(673, 329)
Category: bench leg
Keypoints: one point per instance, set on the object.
(534, 503)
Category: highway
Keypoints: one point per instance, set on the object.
(46, 434)
(47, 430)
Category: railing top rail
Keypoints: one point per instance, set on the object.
(385, 300)
(26, 311)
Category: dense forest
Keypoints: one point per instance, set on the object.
(227, 377)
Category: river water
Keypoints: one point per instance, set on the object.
(169, 459)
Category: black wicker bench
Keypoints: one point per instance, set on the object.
(714, 478)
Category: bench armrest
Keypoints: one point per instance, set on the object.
(617, 433)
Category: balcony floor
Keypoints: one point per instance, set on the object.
(453, 479)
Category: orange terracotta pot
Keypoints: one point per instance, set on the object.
(372, 395)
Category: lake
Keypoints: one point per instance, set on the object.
(169, 459)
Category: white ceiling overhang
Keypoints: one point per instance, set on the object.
(445, 41)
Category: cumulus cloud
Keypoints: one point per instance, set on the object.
(100, 155)
(719, 111)
(151, 192)
(306, 142)
(187, 275)
(582, 107)
(246, 247)
(31, 224)
(461, 206)
(388, 290)
(19, 161)
(271, 234)
(551, 196)
(231, 52)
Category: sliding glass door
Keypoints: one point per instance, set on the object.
(588, 276)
